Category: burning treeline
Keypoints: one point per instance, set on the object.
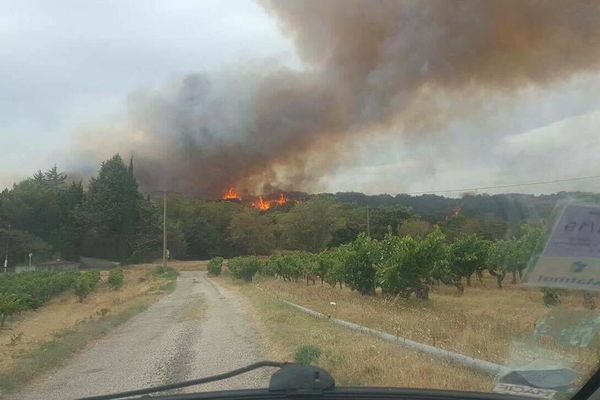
(261, 203)
(370, 65)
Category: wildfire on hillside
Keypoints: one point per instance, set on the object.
(264, 205)
(260, 203)
(231, 194)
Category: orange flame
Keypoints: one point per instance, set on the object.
(264, 205)
(261, 204)
(231, 194)
(282, 200)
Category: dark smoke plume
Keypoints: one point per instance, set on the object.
(366, 63)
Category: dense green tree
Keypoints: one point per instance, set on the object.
(250, 232)
(145, 242)
(527, 247)
(415, 228)
(467, 255)
(205, 225)
(355, 218)
(20, 244)
(311, 225)
(333, 262)
(383, 220)
(363, 255)
(54, 179)
(409, 265)
(176, 242)
(32, 206)
(502, 254)
(489, 229)
(112, 210)
(70, 231)
(287, 266)
(244, 267)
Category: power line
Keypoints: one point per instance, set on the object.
(506, 185)
(212, 194)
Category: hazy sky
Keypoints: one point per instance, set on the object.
(67, 65)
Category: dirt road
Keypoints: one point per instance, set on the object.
(198, 330)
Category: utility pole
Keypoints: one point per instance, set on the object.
(164, 264)
(368, 223)
(6, 254)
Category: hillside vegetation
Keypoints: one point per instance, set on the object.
(54, 217)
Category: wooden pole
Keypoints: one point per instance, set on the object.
(164, 263)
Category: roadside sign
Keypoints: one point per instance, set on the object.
(571, 258)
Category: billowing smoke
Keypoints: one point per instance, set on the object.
(367, 65)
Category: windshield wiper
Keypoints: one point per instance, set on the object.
(297, 381)
(193, 382)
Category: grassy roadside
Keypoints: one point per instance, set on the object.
(352, 358)
(43, 356)
(57, 352)
(485, 322)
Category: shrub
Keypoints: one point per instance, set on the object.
(37, 287)
(333, 264)
(115, 279)
(86, 283)
(244, 267)
(11, 304)
(360, 271)
(467, 255)
(215, 265)
(93, 277)
(551, 296)
(82, 288)
(307, 354)
(290, 266)
(165, 273)
(30, 290)
(311, 267)
(409, 265)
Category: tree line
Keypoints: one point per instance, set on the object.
(400, 265)
(52, 216)
(204, 229)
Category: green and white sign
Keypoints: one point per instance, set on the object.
(571, 258)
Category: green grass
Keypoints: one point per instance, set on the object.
(167, 287)
(307, 354)
(64, 345)
(168, 273)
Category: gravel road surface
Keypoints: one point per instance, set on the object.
(198, 330)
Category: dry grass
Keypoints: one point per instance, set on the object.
(34, 329)
(189, 265)
(352, 358)
(486, 323)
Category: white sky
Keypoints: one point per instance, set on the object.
(67, 63)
